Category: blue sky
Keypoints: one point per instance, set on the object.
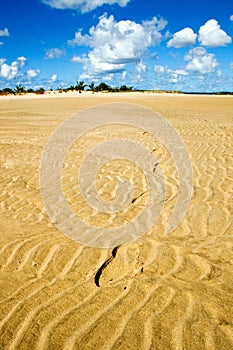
(180, 45)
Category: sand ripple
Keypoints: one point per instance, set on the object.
(160, 292)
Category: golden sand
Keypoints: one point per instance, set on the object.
(161, 292)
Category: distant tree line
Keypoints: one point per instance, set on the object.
(20, 90)
(102, 87)
(80, 86)
(210, 93)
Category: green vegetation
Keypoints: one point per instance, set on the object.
(7, 91)
(80, 86)
(20, 90)
(92, 86)
(102, 87)
(210, 93)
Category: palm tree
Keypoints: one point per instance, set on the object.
(80, 86)
(19, 89)
(102, 87)
(126, 88)
(92, 86)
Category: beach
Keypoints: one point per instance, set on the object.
(162, 291)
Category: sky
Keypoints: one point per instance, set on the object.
(147, 44)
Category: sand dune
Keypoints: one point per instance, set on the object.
(160, 292)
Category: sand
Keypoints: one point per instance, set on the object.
(160, 292)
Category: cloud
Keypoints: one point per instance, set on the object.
(4, 32)
(83, 5)
(53, 78)
(22, 60)
(124, 74)
(211, 35)
(231, 65)
(78, 59)
(180, 72)
(32, 73)
(199, 61)
(159, 70)
(114, 44)
(184, 37)
(141, 67)
(53, 53)
(231, 18)
(170, 75)
(10, 71)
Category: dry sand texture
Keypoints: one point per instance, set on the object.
(161, 292)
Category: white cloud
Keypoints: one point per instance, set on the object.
(211, 35)
(159, 69)
(22, 60)
(54, 53)
(32, 73)
(170, 75)
(141, 67)
(231, 18)
(4, 32)
(114, 44)
(184, 37)
(231, 65)
(77, 59)
(180, 72)
(53, 78)
(124, 74)
(11, 71)
(199, 61)
(83, 5)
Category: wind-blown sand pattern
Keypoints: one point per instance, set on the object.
(161, 292)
